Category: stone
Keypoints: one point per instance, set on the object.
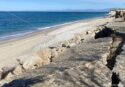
(9, 77)
(60, 49)
(33, 62)
(45, 53)
(112, 13)
(104, 58)
(54, 53)
(52, 47)
(72, 44)
(98, 71)
(77, 39)
(87, 32)
(93, 35)
(18, 70)
(89, 65)
(5, 71)
(65, 44)
(119, 20)
(3, 82)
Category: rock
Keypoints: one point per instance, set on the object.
(77, 39)
(52, 47)
(118, 14)
(98, 71)
(54, 53)
(65, 44)
(119, 20)
(9, 77)
(93, 35)
(87, 32)
(60, 49)
(34, 62)
(97, 31)
(112, 13)
(6, 70)
(104, 58)
(72, 44)
(89, 65)
(90, 32)
(45, 53)
(18, 70)
(3, 82)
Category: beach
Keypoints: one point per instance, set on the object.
(12, 49)
(55, 45)
(62, 43)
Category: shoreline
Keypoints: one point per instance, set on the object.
(25, 34)
(38, 49)
(27, 48)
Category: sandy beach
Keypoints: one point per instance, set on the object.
(12, 49)
(80, 54)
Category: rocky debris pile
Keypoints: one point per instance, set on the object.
(118, 14)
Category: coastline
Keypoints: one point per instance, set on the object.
(44, 38)
(38, 49)
(22, 35)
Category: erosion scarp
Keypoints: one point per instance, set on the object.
(95, 62)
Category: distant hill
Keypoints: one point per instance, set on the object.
(86, 10)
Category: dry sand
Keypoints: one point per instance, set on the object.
(10, 50)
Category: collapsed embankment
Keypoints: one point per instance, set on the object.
(41, 57)
(114, 51)
(95, 70)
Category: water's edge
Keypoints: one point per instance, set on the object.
(21, 35)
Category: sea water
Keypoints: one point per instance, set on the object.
(20, 23)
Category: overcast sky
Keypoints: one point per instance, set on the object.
(43, 5)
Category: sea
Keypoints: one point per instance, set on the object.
(14, 24)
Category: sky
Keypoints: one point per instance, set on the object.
(57, 5)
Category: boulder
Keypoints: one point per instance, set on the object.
(87, 32)
(18, 70)
(77, 39)
(66, 44)
(93, 35)
(112, 13)
(9, 77)
(32, 62)
(45, 53)
(72, 44)
(104, 58)
(54, 53)
(90, 32)
(89, 65)
(5, 71)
